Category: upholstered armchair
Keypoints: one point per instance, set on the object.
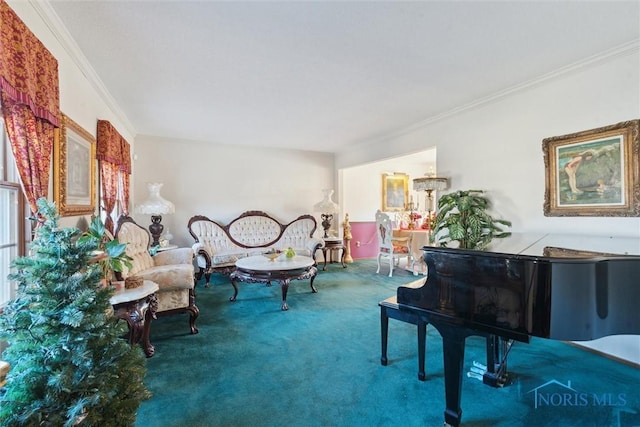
(392, 247)
(172, 270)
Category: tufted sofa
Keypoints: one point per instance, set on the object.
(218, 246)
(172, 270)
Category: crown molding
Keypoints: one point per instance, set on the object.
(51, 19)
(624, 49)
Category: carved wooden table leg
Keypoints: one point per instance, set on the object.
(138, 308)
(256, 270)
(313, 272)
(284, 284)
(234, 283)
(150, 314)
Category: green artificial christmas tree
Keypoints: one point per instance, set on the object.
(69, 363)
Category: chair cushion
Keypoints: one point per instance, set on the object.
(227, 258)
(396, 250)
(173, 299)
(177, 276)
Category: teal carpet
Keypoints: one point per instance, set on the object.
(318, 364)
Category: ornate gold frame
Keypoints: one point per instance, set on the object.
(72, 169)
(554, 251)
(614, 151)
(394, 200)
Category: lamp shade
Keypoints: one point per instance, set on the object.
(430, 183)
(155, 204)
(326, 205)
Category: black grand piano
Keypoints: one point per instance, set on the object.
(557, 287)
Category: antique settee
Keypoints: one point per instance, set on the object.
(172, 270)
(218, 246)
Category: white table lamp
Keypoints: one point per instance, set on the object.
(155, 206)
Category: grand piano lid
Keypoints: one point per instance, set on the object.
(565, 245)
(568, 287)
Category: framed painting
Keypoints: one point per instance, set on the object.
(74, 160)
(395, 192)
(594, 172)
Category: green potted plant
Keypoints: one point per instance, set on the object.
(463, 217)
(111, 254)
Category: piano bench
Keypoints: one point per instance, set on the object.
(389, 309)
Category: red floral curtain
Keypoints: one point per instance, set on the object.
(30, 101)
(125, 174)
(113, 152)
(109, 180)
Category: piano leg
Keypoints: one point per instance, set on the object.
(389, 309)
(497, 353)
(384, 334)
(422, 344)
(453, 343)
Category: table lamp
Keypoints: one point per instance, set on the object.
(327, 208)
(430, 184)
(155, 206)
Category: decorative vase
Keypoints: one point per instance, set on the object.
(167, 236)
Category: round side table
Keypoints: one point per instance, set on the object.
(331, 245)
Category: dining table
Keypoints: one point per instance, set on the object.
(418, 238)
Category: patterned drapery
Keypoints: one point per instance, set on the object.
(109, 144)
(113, 152)
(30, 101)
(125, 174)
(31, 142)
(109, 179)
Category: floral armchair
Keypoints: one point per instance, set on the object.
(172, 270)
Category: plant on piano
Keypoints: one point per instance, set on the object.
(463, 217)
(69, 364)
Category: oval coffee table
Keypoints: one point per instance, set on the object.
(259, 269)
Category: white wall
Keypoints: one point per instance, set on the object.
(497, 146)
(222, 181)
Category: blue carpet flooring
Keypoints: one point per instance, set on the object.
(318, 364)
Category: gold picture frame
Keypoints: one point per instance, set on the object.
(594, 172)
(395, 192)
(74, 160)
(557, 252)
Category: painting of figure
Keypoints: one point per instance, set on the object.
(595, 172)
(395, 192)
(78, 172)
(591, 173)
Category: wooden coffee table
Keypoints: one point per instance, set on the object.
(259, 269)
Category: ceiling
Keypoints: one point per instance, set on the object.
(325, 75)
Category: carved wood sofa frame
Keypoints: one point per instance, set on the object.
(219, 246)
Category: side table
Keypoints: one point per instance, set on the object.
(331, 245)
(137, 306)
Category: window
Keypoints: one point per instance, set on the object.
(12, 217)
